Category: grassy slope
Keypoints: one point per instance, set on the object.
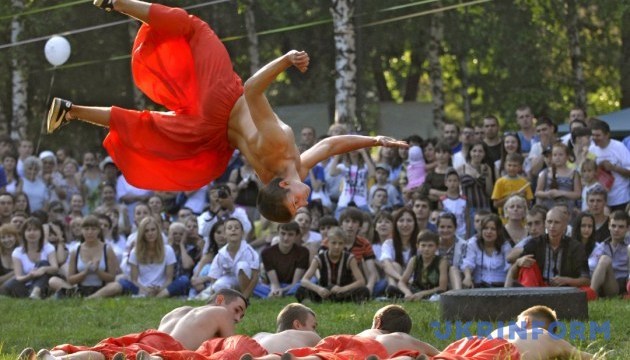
(47, 323)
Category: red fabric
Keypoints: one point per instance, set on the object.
(188, 147)
(151, 341)
(476, 348)
(230, 348)
(343, 347)
(532, 277)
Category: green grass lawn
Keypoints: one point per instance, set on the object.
(43, 324)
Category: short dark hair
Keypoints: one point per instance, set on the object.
(620, 215)
(270, 202)
(229, 295)
(579, 132)
(351, 213)
(328, 220)
(598, 124)
(597, 190)
(36, 223)
(393, 318)
(291, 226)
(290, 313)
(428, 236)
(515, 157)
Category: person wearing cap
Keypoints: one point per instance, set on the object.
(381, 175)
(221, 195)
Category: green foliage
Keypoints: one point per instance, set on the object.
(43, 324)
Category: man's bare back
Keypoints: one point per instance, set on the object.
(191, 326)
(539, 344)
(288, 339)
(396, 341)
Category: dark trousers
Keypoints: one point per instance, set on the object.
(19, 289)
(358, 295)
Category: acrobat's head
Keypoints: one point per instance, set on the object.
(537, 315)
(280, 199)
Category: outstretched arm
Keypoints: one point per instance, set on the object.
(341, 144)
(255, 87)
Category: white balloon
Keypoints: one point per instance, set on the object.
(57, 50)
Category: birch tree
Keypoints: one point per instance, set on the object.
(252, 37)
(436, 35)
(575, 52)
(345, 61)
(624, 63)
(19, 78)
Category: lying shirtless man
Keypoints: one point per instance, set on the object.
(183, 328)
(211, 114)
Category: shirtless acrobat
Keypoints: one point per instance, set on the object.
(212, 114)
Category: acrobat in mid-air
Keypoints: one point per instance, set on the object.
(180, 63)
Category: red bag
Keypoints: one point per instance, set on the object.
(605, 178)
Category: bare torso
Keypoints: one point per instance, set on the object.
(270, 157)
(396, 341)
(538, 344)
(285, 340)
(191, 326)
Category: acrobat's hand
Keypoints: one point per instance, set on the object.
(387, 141)
(299, 59)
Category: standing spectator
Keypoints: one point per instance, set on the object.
(7, 204)
(221, 197)
(613, 157)
(70, 184)
(151, 265)
(33, 185)
(476, 182)
(9, 236)
(34, 261)
(307, 136)
(466, 139)
(581, 142)
(22, 203)
(9, 162)
(25, 150)
(535, 161)
(512, 183)
(450, 135)
(340, 278)
(577, 118)
(357, 167)
(428, 150)
(491, 138)
(390, 156)
(511, 144)
(109, 169)
(285, 264)
(91, 178)
(588, 169)
(485, 263)
(596, 200)
(558, 183)
(434, 184)
(454, 202)
(527, 132)
(416, 169)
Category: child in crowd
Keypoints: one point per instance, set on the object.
(435, 185)
(416, 169)
(340, 278)
(558, 183)
(381, 175)
(454, 202)
(426, 274)
(588, 169)
(512, 183)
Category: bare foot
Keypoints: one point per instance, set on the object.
(27, 354)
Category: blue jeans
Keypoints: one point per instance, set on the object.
(262, 290)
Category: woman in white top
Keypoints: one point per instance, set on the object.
(92, 265)
(396, 252)
(33, 185)
(485, 263)
(9, 162)
(33, 262)
(151, 263)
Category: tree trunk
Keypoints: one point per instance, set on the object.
(436, 35)
(413, 78)
(379, 78)
(576, 53)
(624, 66)
(252, 37)
(345, 61)
(139, 101)
(19, 78)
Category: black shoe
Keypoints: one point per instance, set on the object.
(107, 5)
(393, 292)
(57, 114)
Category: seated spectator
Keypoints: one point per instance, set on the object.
(383, 231)
(554, 259)
(378, 202)
(22, 202)
(236, 265)
(92, 264)
(177, 234)
(345, 284)
(514, 211)
(451, 247)
(421, 207)
(151, 265)
(116, 241)
(308, 238)
(426, 273)
(434, 185)
(31, 277)
(285, 264)
(512, 183)
(108, 203)
(77, 206)
(583, 232)
(588, 169)
(55, 233)
(216, 240)
(611, 273)
(9, 236)
(33, 185)
(6, 207)
(535, 226)
(326, 223)
(485, 262)
(397, 251)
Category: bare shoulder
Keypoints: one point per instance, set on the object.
(370, 333)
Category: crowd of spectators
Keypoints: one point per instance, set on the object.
(475, 208)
